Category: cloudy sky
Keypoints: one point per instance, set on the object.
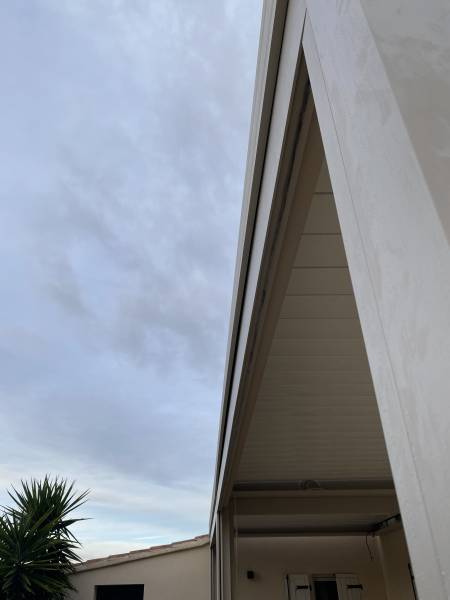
(124, 127)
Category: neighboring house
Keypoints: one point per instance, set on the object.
(177, 571)
(333, 467)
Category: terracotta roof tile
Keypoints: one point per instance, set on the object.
(115, 559)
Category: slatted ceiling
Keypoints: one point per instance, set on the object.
(284, 347)
(283, 364)
(328, 433)
(293, 403)
(319, 441)
(321, 250)
(320, 437)
(311, 462)
(329, 429)
(319, 281)
(310, 448)
(323, 183)
(316, 307)
(316, 415)
(303, 466)
(307, 523)
(322, 217)
(313, 329)
(319, 378)
(318, 389)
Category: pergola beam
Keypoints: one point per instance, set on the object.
(315, 506)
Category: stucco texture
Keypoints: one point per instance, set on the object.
(182, 575)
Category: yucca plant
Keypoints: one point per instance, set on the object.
(37, 548)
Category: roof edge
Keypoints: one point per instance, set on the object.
(269, 50)
(153, 551)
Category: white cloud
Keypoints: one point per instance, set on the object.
(124, 135)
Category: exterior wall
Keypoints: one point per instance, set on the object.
(395, 559)
(182, 575)
(413, 39)
(273, 558)
(379, 72)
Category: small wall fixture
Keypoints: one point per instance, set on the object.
(250, 574)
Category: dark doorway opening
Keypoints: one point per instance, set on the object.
(326, 590)
(119, 592)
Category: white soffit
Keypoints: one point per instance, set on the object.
(316, 415)
(279, 524)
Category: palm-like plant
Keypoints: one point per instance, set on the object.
(37, 548)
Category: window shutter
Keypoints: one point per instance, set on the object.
(299, 587)
(349, 587)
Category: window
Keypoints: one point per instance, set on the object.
(325, 589)
(119, 592)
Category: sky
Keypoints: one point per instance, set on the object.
(124, 129)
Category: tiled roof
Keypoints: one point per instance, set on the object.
(117, 559)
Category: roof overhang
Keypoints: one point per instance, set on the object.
(279, 100)
(313, 512)
(285, 169)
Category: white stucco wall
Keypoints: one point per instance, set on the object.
(379, 73)
(181, 575)
(273, 558)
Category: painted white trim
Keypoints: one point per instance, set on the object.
(272, 27)
(244, 313)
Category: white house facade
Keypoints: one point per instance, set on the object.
(333, 465)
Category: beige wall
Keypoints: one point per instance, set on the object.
(182, 575)
(273, 558)
(395, 559)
